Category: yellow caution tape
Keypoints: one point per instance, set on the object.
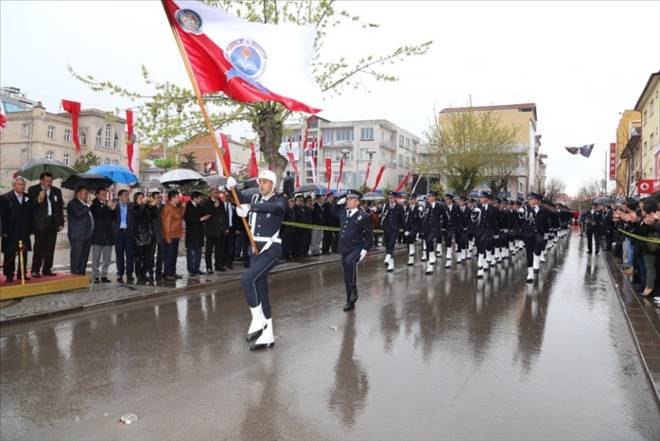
(655, 240)
(321, 227)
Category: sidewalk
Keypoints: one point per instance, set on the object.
(107, 294)
(643, 318)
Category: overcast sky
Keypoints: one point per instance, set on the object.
(581, 63)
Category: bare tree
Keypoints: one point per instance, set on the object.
(553, 187)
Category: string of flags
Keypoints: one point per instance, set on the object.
(584, 150)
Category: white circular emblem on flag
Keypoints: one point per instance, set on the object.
(247, 57)
(189, 20)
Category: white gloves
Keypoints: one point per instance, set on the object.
(231, 183)
(406, 233)
(341, 201)
(521, 210)
(362, 254)
(243, 209)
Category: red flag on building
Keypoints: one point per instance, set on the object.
(378, 176)
(294, 164)
(341, 172)
(73, 108)
(366, 175)
(304, 146)
(3, 116)
(328, 172)
(645, 186)
(403, 182)
(613, 161)
(254, 167)
(130, 138)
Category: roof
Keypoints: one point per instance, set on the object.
(520, 106)
(652, 79)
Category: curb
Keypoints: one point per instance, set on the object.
(622, 287)
(167, 292)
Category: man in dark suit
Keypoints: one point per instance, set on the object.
(157, 245)
(214, 229)
(81, 228)
(194, 219)
(16, 214)
(124, 236)
(229, 241)
(48, 220)
(329, 220)
(103, 211)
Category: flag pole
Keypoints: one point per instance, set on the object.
(209, 126)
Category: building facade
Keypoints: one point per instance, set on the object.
(530, 174)
(629, 126)
(648, 105)
(32, 132)
(357, 142)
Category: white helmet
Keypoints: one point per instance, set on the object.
(269, 175)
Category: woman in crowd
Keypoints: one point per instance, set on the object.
(143, 236)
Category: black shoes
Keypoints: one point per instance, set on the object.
(36, 275)
(350, 303)
(97, 280)
(349, 307)
(105, 280)
(209, 272)
(120, 279)
(48, 274)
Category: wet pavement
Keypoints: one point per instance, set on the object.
(422, 357)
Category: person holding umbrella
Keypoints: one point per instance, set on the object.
(81, 228)
(48, 220)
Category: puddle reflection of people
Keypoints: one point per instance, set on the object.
(349, 391)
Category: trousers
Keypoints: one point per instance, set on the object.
(101, 255)
(254, 280)
(389, 240)
(349, 263)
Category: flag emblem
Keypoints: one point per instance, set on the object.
(247, 57)
(189, 20)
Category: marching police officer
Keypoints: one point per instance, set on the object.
(486, 229)
(432, 222)
(412, 222)
(453, 227)
(535, 220)
(593, 221)
(265, 211)
(355, 238)
(391, 220)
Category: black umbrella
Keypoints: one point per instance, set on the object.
(89, 180)
(310, 188)
(214, 181)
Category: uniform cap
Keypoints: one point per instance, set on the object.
(432, 193)
(449, 196)
(353, 194)
(532, 195)
(269, 175)
(485, 194)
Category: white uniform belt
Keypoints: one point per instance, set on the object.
(269, 240)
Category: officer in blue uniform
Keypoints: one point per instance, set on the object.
(391, 221)
(265, 212)
(453, 226)
(355, 238)
(534, 227)
(432, 224)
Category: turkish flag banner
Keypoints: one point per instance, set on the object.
(73, 108)
(646, 186)
(612, 161)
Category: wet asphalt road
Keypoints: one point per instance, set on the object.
(422, 357)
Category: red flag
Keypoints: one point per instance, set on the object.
(403, 182)
(378, 176)
(226, 153)
(305, 136)
(341, 172)
(73, 108)
(3, 116)
(254, 168)
(328, 172)
(366, 175)
(645, 186)
(294, 164)
(130, 140)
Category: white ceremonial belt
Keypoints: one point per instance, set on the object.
(269, 240)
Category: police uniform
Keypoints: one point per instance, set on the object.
(265, 215)
(453, 227)
(463, 238)
(535, 222)
(355, 239)
(391, 221)
(432, 223)
(593, 221)
(486, 231)
(411, 225)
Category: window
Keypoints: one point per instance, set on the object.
(364, 154)
(401, 141)
(106, 161)
(108, 136)
(115, 143)
(327, 137)
(99, 137)
(83, 138)
(66, 158)
(67, 135)
(400, 160)
(367, 134)
(115, 162)
(651, 106)
(50, 154)
(407, 161)
(51, 132)
(344, 135)
(26, 130)
(408, 143)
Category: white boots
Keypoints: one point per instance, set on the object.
(461, 256)
(530, 275)
(438, 250)
(411, 255)
(448, 258)
(432, 258)
(257, 324)
(390, 263)
(267, 338)
(537, 263)
(386, 262)
(542, 258)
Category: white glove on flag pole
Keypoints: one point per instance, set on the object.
(247, 61)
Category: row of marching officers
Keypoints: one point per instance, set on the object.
(459, 228)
